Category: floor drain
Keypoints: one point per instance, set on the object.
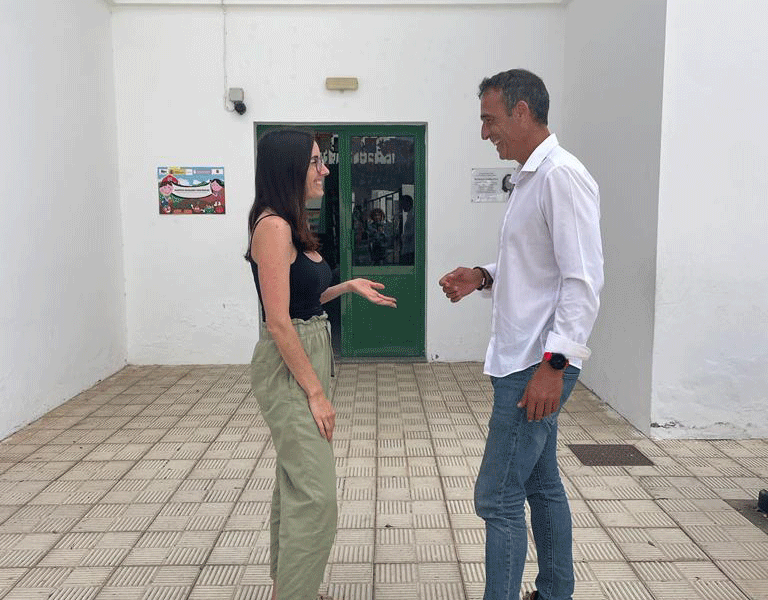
(609, 455)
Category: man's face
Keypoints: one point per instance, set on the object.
(502, 129)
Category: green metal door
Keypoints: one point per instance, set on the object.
(371, 224)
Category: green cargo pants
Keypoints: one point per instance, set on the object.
(303, 518)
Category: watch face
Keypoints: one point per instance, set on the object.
(557, 361)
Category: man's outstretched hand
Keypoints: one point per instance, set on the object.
(460, 282)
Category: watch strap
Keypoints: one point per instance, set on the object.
(487, 281)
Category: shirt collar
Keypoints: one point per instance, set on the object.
(540, 153)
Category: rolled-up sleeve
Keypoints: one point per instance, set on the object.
(491, 268)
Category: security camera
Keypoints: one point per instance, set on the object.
(236, 97)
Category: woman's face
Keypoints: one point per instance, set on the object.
(315, 177)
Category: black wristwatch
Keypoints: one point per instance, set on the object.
(556, 360)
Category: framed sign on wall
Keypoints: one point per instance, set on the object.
(191, 190)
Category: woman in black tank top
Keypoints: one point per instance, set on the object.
(290, 370)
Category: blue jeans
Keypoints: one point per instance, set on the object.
(520, 462)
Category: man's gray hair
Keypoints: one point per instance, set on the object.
(519, 84)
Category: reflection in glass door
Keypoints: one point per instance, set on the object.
(382, 175)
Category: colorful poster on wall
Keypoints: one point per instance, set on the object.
(191, 190)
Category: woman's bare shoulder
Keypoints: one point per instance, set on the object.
(271, 236)
(270, 224)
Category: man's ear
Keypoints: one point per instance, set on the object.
(522, 109)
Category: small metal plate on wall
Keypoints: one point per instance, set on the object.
(341, 83)
(609, 455)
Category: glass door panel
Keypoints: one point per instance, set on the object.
(384, 169)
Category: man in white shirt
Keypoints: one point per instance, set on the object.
(545, 283)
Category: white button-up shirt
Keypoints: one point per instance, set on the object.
(549, 271)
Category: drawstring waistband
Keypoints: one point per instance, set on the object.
(313, 325)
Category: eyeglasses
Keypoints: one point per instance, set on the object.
(318, 162)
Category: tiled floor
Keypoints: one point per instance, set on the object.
(155, 484)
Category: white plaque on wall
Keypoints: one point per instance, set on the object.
(493, 184)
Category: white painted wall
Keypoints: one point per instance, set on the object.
(613, 96)
(62, 307)
(711, 329)
(190, 295)
(683, 194)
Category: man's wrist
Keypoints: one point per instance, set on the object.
(546, 369)
(555, 360)
(487, 281)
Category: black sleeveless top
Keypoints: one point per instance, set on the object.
(308, 280)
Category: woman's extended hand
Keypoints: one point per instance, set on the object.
(323, 413)
(369, 290)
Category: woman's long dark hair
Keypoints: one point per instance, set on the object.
(282, 162)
